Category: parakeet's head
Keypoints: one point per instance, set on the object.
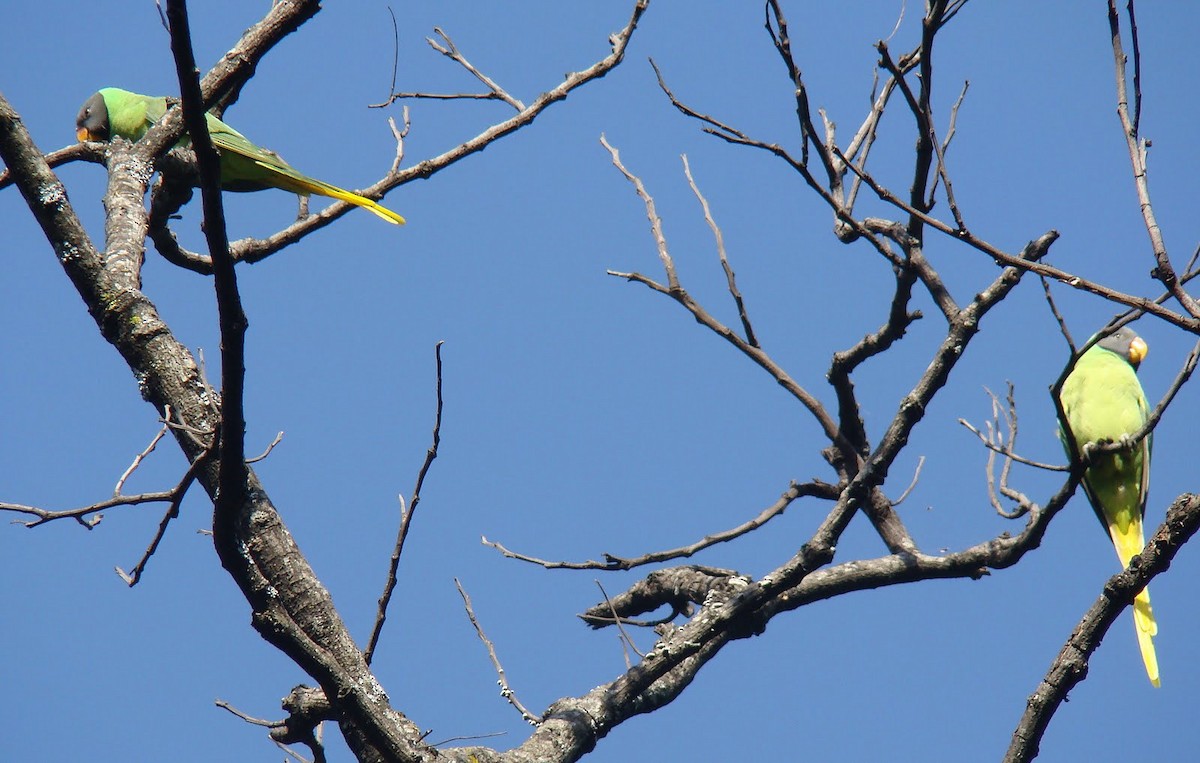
(1126, 343)
(92, 122)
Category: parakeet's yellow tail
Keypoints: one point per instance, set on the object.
(1129, 542)
(288, 178)
(362, 201)
(1143, 620)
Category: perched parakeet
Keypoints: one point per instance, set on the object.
(1103, 401)
(244, 166)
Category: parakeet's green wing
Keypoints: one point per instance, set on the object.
(1103, 401)
(247, 167)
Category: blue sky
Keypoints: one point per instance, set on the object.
(584, 414)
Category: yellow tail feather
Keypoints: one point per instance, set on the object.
(364, 202)
(1129, 543)
(1143, 621)
(287, 178)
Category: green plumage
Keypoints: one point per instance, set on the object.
(1104, 402)
(244, 165)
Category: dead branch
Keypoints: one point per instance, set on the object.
(998, 444)
(505, 690)
(1138, 148)
(1070, 667)
(448, 49)
(137, 460)
(255, 250)
(406, 514)
(656, 230)
(702, 316)
(626, 642)
(815, 488)
(719, 238)
(912, 484)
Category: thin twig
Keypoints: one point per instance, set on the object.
(80, 514)
(942, 172)
(987, 443)
(395, 50)
(673, 289)
(1137, 148)
(132, 577)
(467, 737)
(295, 755)
(730, 278)
(399, 135)
(270, 447)
(611, 562)
(953, 127)
(137, 460)
(783, 46)
(911, 485)
(1010, 416)
(90, 152)
(1062, 323)
(505, 690)
(438, 97)
(656, 230)
(318, 751)
(1137, 68)
(626, 640)
(406, 515)
(247, 718)
(899, 18)
(450, 50)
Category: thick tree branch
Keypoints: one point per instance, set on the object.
(1070, 667)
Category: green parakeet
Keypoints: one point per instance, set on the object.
(244, 166)
(1103, 401)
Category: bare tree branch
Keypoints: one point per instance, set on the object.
(612, 562)
(730, 279)
(406, 515)
(1138, 148)
(255, 250)
(1070, 667)
(505, 690)
(131, 578)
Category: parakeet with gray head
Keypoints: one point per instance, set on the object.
(244, 166)
(1103, 401)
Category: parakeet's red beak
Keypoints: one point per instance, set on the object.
(82, 134)
(1137, 350)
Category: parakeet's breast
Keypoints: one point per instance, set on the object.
(1103, 399)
